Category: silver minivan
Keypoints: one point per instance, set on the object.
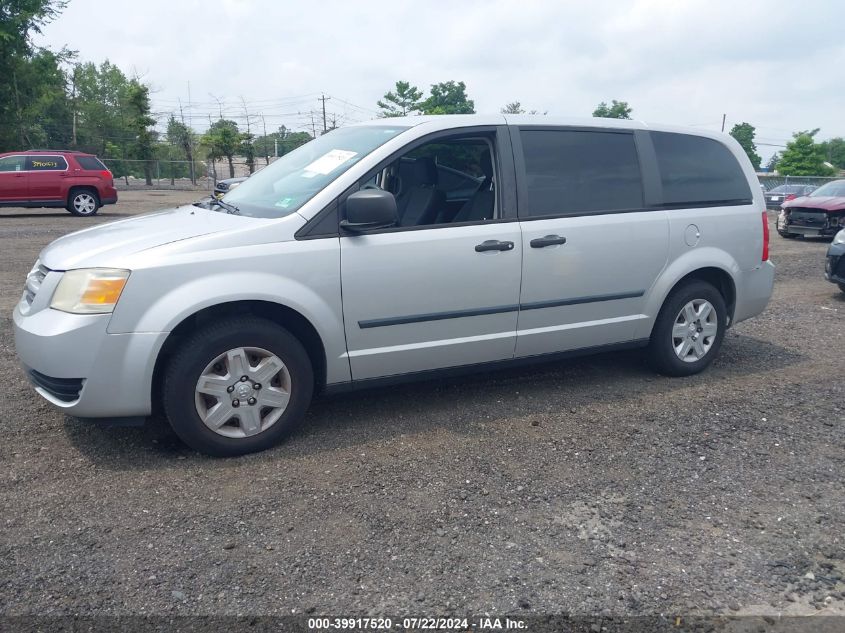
(397, 249)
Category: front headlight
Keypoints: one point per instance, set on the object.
(840, 238)
(89, 290)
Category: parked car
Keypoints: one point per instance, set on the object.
(551, 238)
(222, 187)
(77, 181)
(777, 196)
(834, 268)
(820, 214)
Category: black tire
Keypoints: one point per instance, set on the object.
(201, 348)
(661, 351)
(83, 202)
(789, 236)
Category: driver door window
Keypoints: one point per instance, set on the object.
(447, 181)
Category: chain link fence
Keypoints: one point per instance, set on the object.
(770, 182)
(176, 174)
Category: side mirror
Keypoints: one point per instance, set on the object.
(370, 209)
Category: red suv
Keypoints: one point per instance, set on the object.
(55, 178)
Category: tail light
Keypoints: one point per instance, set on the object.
(106, 174)
(791, 196)
(765, 256)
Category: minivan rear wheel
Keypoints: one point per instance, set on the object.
(689, 330)
(238, 386)
(83, 202)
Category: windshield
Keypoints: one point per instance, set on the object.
(834, 189)
(291, 181)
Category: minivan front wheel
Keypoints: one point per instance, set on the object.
(83, 202)
(238, 386)
(689, 330)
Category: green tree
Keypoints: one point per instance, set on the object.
(834, 151)
(182, 137)
(744, 134)
(140, 125)
(32, 85)
(223, 140)
(803, 156)
(773, 162)
(405, 101)
(514, 107)
(247, 150)
(448, 97)
(616, 110)
(284, 141)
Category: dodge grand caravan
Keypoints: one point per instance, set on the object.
(396, 249)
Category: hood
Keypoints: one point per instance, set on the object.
(98, 245)
(823, 203)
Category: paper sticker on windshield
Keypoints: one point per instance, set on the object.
(328, 162)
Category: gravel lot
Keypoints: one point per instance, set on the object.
(587, 487)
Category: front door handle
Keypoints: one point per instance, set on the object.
(493, 245)
(549, 240)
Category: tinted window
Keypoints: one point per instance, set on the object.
(697, 169)
(11, 163)
(90, 162)
(45, 163)
(571, 171)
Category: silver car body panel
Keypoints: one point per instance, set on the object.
(389, 303)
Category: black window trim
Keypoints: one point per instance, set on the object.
(649, 172)
(505, 178)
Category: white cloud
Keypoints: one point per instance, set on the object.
(777, 67)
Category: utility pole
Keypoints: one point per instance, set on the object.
(219, 104)
(324, 98)
(188, 143)
(190, 134)
(213, 160)
(251, 157)
(723, 122)
(313, 126)
(73, 99)
(264, 125)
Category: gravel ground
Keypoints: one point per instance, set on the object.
(587, 487)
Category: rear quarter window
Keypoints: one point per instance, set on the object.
(696, 169)
(90, 162)
(46, 163)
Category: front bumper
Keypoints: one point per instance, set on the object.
(113, 372)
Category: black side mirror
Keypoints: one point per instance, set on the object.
(370, 209)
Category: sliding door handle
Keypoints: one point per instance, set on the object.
(549, 240)
(493, 245)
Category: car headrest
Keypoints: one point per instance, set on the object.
(486, 164)
(416, 172)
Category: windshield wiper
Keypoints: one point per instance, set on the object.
(207, 204)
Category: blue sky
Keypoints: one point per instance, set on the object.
(778, 66)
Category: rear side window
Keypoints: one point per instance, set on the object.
(45, 163)
(11, 163)
(569, 171)
(90, 162)
(695, 169)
